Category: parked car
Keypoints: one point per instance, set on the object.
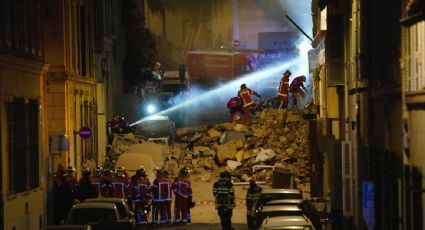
(287, 222)
(99, 216)
(122, 206)
(306, 206)
(68, 227)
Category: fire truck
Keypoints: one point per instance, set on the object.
(208, 67)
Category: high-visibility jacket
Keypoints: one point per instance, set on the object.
(234, 102)
(120, 186)
(245, 94)
(161, 189)
(106, 188)
(297, 84)
(182, 187)
(96, 182)
(283, 86)
(140, 189)
(252, 196)
(224, 194)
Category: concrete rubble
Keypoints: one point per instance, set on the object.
(210, 149)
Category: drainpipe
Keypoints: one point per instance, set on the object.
(235, 20)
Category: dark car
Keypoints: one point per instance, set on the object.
(121, 204)
(280, 197)
(68, 227)
(100, 216)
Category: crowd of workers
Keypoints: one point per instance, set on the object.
(144, 198)
(243, 102)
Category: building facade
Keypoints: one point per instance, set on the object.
(23, 128)
(367, 140)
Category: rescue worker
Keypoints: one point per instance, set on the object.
(224, 199)
(71, 179)
(161, 198)
(283, 89)
(62, 196)
(96, 180)
(140, 195)
(247, 102)
(297, 88)
(252, 196)
(235, 106)
(182, 196)
(119, 182)
(85, 189)
(106, 188)
(157, 74)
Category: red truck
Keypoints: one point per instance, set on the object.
(209, 67)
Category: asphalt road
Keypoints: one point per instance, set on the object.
(203, 226)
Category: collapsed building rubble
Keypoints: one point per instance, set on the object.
(267, 140)
(273, 138)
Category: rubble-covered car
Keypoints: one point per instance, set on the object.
(156, 127)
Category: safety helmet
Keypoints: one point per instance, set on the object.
(287, 73)
(252, 182)
(225, 174)
(303, 78)
(70, 171)
(243, 86)
(98, 170)
(107, 172)
(185, 171)
(157, 63)
(120, 171)
(86, 171)
(141, 170)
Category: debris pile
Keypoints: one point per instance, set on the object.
(273, 138)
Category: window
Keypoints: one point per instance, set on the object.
(23, 144)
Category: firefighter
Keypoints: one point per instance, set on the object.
(247, 102)
(297, 88)
(96, 180)
(182, 196)
(119, 182)
(283, 89)
(157, 74)
(224, 199)
(252, 196)
(71, 179)
(62, 196)
(235, 106)
(140, 195)
(85, 189)
(106, 188)
(161, 198)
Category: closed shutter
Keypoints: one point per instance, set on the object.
(347, 179)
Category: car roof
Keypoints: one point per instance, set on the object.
(105, 199)
(281, 208)
(280, 190)
(282, 221)
(284, 201)
(68, 227)
(94, 205)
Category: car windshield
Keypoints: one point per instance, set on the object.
(122, 210)
(91, 216)
(263, 215)
(265, 198)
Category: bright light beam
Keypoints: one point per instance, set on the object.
(249, 79)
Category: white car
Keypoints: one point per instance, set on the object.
(287, 222)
